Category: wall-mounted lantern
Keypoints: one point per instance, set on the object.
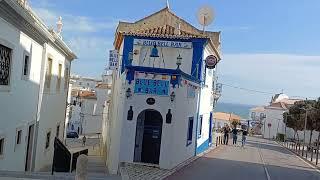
(169, 117)
(130, 114)
(179, 61)
(154, 52)
(128, 93)
(130, 57)
(172, 96)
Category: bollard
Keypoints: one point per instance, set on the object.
(82, 165)
(311, 154)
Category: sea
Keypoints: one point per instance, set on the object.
(242, 110)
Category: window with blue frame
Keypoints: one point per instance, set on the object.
(200, 126)
(190, 130)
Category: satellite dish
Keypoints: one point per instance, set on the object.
(205, 16)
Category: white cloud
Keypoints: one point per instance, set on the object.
(74, 23)
(297, 75)
(90, 47)
(84, 35)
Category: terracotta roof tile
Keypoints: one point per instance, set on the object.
(87, 95)
(226, 116)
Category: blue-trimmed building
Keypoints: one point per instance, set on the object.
(162, 97)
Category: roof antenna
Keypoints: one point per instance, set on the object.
(205, 16)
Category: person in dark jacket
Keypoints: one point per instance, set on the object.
(226, 132)
(234, 135)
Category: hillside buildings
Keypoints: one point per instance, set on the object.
(161, 106)
(86, 103)
(34, 76)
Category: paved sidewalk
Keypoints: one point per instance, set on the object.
(260, 159)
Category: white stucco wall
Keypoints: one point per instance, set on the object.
(115, 118)
(18, 105)
(53, 108)
(206, 105)
(274, 116)
(174, 133)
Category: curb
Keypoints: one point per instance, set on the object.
(301, 158)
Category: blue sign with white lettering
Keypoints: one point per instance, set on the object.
(151, 86)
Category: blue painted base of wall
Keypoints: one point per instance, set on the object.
(204, 146)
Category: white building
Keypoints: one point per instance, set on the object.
(257, 114)
(273, 122)
(34, 75)
(86, 104)
(161, 110)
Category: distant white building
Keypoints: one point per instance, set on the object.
(258, 115)
(162, 95)
(86, 104)
(34, 75)
(273, 122)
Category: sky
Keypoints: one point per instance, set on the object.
(267, 46)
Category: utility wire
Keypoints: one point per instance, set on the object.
(263, 92)
(246, 89)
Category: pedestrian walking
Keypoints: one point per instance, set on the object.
(226, 132)
(244, 137)
(234, 135)
(84, 139)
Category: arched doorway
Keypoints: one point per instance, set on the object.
(148, 137)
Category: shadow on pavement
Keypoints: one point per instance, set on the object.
(206, 168)
(267, 146)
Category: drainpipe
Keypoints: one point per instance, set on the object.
(40, 96)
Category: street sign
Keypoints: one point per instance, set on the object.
(113, 59)
(211, 61)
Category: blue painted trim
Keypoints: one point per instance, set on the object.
(204, 146)
(210, 128)
(127, 48)
(171, 72)
(198, 48)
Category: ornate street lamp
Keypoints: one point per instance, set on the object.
(179, 61)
